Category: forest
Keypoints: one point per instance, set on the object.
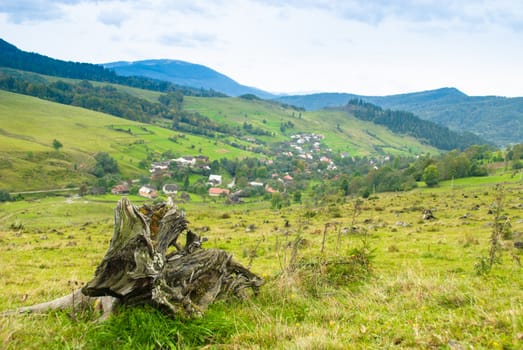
(407, 123)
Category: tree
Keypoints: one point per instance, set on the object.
(105, 164)
(276, 200)
(5, 196)
(431, 175)
(297, 197)
(57, 145)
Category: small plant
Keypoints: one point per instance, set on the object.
(16, 226)
(484, 264)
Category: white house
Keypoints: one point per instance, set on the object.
(148, 192)
(170, 189)
(215, 179)
(185, 161)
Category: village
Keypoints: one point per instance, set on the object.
(303, 156)
(305, 147)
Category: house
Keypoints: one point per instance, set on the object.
(169, 189)
(120, 189)
(202, 159)
(288, 177)
(255, 184)
(216, 192)
(185, 161)
(158, 167)
(148, 192)
(269, 189)
(215, 180)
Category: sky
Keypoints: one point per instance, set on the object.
(367, 47)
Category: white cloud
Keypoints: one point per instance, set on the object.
(188, 39)
(112, 17)
(360, 46)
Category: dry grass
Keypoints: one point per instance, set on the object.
(423, 292)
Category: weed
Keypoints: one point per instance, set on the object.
(17, 226)
(484, 264)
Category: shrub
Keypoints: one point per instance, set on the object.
(5, 196)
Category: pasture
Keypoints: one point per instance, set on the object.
(421, 289)
(29, 126)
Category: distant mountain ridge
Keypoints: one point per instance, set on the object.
(496, 119)
(12, 57)
(186, 74)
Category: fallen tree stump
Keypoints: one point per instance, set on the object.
(139, 268)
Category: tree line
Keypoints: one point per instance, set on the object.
(12, 57)
(409, 124)
(108, 99)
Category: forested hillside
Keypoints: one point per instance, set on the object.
(12, 57)
(186, 74)
(494, 118)
(407, 123)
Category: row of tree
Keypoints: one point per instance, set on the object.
(407, 123)
(12, 57)
(108, 99)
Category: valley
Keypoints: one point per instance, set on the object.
(371, 227)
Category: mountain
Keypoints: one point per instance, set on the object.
(496, 119)
(165, 109)
(12, 57)
(187, 74)
(406, 123)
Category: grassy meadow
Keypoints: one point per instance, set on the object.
(29, 125)
(421, 290)
(342, 132)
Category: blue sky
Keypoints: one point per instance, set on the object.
(371, 47)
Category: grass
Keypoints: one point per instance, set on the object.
(29, 126)
(353, 136)
(423, 291)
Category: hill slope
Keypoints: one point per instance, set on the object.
(342, 132)
(12, 57)
(185, 73)
(497, 119)
(29, 125)
(169, 111)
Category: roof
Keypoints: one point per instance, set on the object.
(170, 188)
(217, 191)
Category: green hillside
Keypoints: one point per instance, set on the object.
(496, 119)
(343, 132)
(29, 126)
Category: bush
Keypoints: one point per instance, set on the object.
(320, 272)
(5, 196)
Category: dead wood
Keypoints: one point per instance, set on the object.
(139, 269)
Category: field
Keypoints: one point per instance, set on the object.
(29, 126)
(422, 289)
(343, 133)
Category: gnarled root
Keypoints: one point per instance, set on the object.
(76, 300)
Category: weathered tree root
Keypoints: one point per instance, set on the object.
(137, 268)
(76, 300)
